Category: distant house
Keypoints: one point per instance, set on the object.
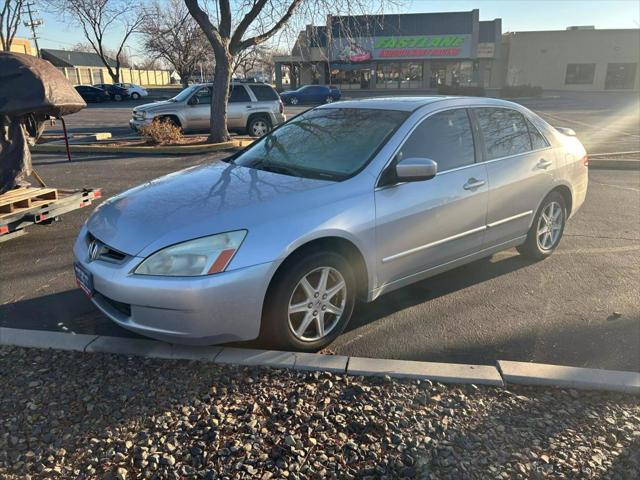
(86, 68)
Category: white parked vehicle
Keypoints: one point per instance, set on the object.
(135, 91)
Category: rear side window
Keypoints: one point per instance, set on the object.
(239, 94)
(264, 93)
(445, 138)
(504, 131)
(537, 139)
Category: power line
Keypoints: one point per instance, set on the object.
(33, 24)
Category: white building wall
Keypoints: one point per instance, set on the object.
(541, 58)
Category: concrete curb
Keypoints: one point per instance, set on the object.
(182, 149)
(613, 164)
(526, 373)
(506, 372)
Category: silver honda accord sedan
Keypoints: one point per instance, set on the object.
(346, 201)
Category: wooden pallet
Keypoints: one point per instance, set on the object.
(25, 198)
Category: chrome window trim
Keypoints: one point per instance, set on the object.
(509, 219)
(433, 244)
(515, 155)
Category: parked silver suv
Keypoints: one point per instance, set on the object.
(254, 108)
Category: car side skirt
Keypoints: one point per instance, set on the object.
(430, 272)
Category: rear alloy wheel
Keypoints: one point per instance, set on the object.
(547, 228)
(310, 303)
(329, 99)
(293, 101)
(135, 95)
(259, 126)
(117, 97)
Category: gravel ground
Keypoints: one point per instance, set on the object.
(74, 415)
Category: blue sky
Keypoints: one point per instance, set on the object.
(517, 15)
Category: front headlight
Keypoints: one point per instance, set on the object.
(202, 256)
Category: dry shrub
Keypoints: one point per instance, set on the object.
(161, 132)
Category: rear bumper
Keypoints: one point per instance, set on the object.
(198, 310)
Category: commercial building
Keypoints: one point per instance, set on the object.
(86, 68)
(412, 51)
(574, 59)
(423, 51)
(21, 45)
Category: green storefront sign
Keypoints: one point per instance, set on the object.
(422, 41)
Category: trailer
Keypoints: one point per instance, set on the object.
(25, 206)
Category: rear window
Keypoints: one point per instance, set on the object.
(264, 92)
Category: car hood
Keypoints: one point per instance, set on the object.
(162, 104)
(196, 202)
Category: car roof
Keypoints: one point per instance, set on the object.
(410, 104)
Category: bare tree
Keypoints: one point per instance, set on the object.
(258, 22)
(125, 59)
(10, 15)
(172, 34)
(101, 18)
(250, 60)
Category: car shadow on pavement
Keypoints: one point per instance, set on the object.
(434, 287)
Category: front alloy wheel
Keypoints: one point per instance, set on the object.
(329, 99)
(309, 303)
(293, 101)
(317, 304)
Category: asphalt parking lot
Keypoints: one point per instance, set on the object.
(604, 121)
(580, 307)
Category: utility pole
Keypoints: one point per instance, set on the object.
(33, 24)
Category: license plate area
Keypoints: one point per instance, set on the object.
(84, 279)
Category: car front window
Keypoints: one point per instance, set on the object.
(184, 94)
(331, 143)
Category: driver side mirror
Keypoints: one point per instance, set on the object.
(194, 100)
(415, 169)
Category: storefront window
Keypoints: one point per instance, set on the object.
(350, 77)
(399, 75)
(456, 74)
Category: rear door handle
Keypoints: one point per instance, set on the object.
(472, 184)
(544, 164)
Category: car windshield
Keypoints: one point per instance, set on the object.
(323, 143)
(184, 94)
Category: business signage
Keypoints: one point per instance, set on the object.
(364, 49)
(486, 50)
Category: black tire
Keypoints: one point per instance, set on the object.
(276, 329)
(135, 96)
(259, 125)
(117, 97)
(532, 247)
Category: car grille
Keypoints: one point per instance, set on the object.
(99, 251)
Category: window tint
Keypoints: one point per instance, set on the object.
(264, 93)
(580, 73)
(504, 131)
(204, 96)
(239, 94)
(537, 139)
(444, 137)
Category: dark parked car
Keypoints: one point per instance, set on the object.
(92, 94)
(115, 92)
(311, 94)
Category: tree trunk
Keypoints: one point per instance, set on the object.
(219, 96)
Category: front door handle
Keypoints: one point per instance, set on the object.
(543, 164)
(472, 184)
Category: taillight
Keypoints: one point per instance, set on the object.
(281, 107)
(585, 161)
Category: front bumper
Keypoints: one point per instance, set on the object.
(191, 310)
(136, 125)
